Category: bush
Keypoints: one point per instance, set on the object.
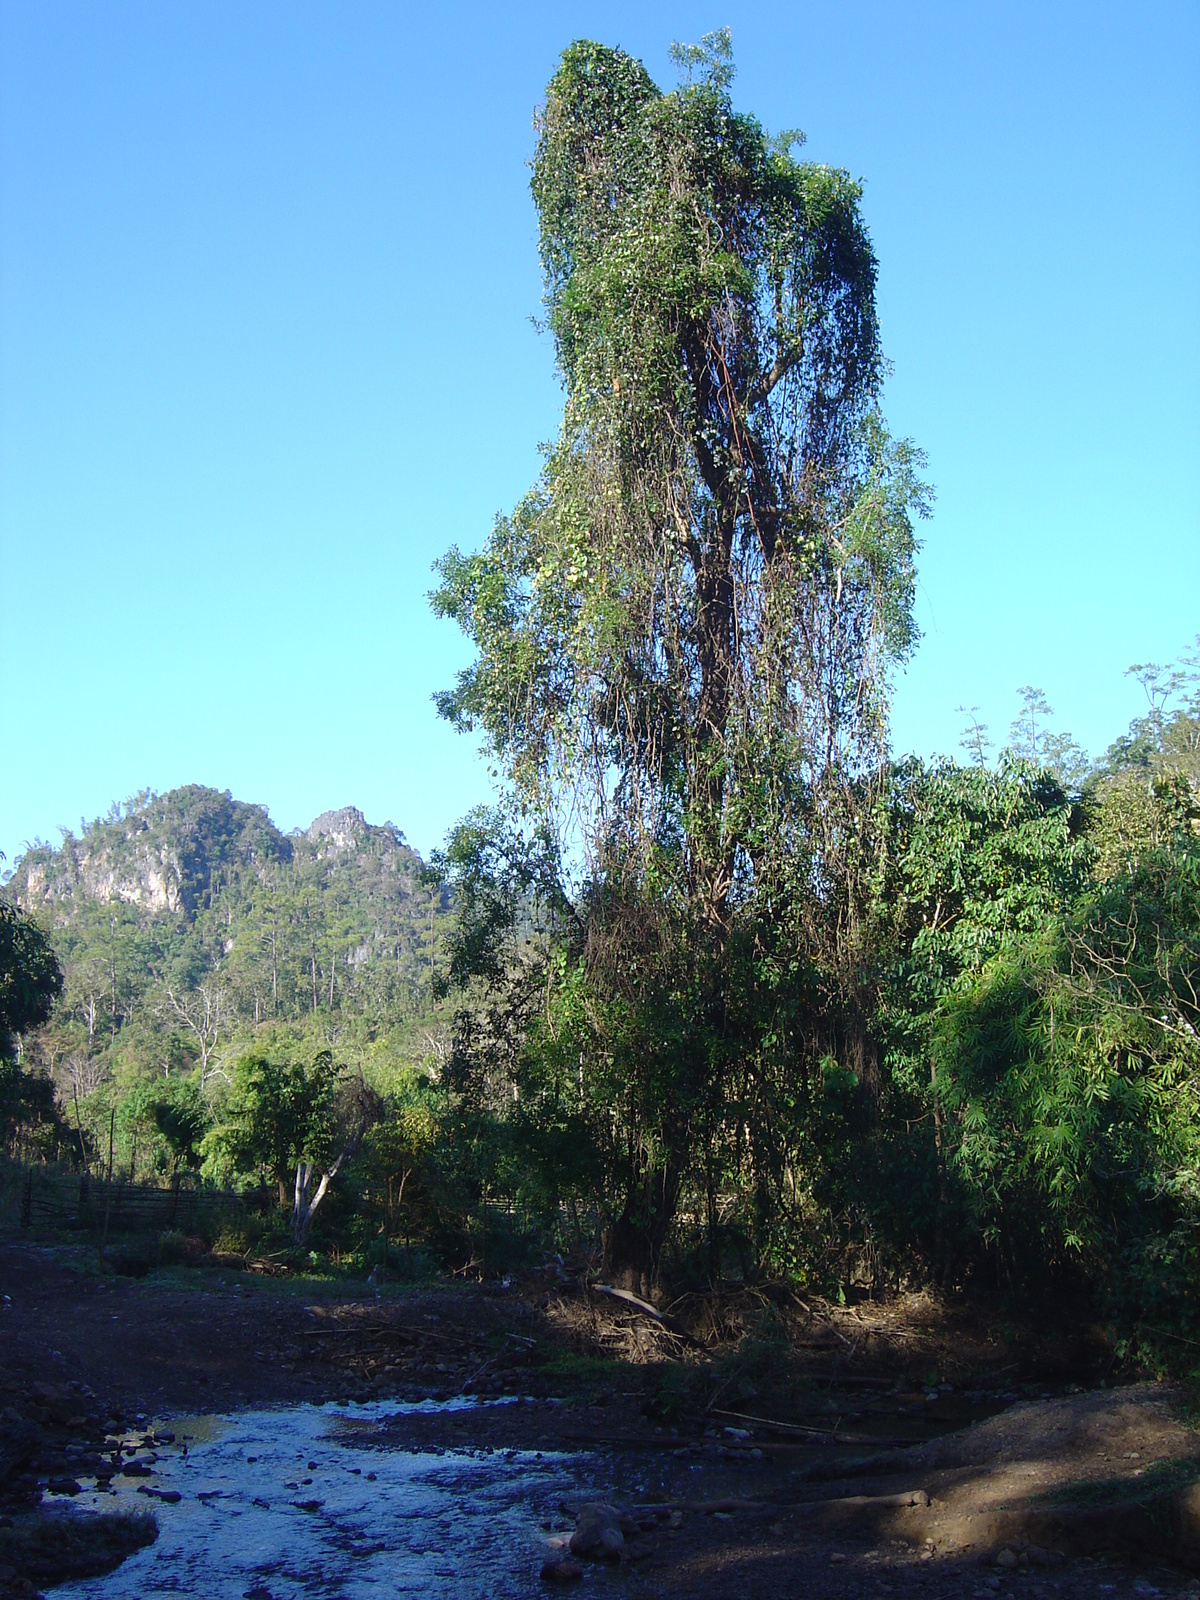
(179, 1249)
(132, 1260)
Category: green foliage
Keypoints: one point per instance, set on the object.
(978, 860)
(1134, 814)
(393, 1171)
(30, 982)
(1166, 739)
(173, 1249)
(683, 637)
(29, 1117)
(190, 931)
(1032, 740)
(192, 890)
(277, 1114)
(182, 1116)
(1065, 1073)
(30, 978)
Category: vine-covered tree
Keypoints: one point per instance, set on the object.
(684, 631)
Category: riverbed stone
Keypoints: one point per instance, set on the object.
(598, 1532)
(561, 1569)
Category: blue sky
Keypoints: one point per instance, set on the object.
(266, 280)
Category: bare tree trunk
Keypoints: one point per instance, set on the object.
(306, 1200)
(202, 1014)
(79, 1125)
(112, 974)
(112, 1123)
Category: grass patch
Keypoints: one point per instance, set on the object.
(1161, 1479)
(580, 1374)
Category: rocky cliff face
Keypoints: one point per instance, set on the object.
(337, 830)
(153, 882)
(160, 856)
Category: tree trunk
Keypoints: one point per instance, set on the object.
(306, 1198)
(634, 1245)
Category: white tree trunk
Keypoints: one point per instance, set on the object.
(307, 1199)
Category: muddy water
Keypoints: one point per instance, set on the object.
(303, 1501)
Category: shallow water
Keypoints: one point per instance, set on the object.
(257, 1520)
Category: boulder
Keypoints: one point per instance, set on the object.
(598, 1533)
(1187, 1520)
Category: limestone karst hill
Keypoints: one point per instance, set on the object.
(187, 919)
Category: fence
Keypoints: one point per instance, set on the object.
(52, 1200)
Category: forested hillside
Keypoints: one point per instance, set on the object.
(186, 924)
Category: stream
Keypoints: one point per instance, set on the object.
(308, 1500)
(331, 1501)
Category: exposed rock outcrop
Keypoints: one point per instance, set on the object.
(160, 853)
(338, 830)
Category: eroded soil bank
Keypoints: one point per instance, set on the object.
(752, 1448)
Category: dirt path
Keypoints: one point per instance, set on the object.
(1072, 1494)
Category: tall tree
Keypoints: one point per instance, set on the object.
(1032, 739)
(1166, 740)
(30, 977)
(684, 632)
(30, 983)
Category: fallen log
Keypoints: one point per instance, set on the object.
(852, 1380)
(728, 1507)
(364, 1332)
(862, 1502)
(630, 1299)
(878, 1463)
(645, 1309)
(663, 1508)
(833, 1435)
